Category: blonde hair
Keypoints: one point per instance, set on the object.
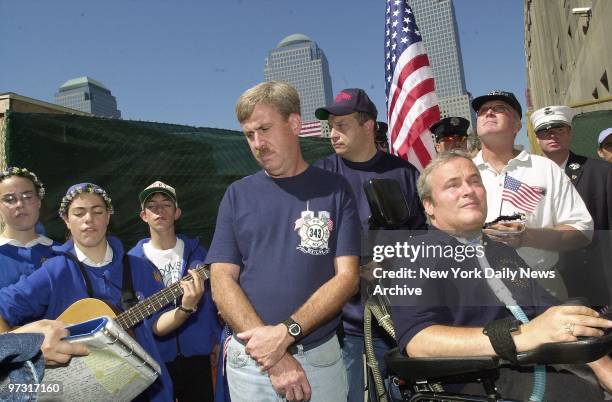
(280, 95)
(423, 185)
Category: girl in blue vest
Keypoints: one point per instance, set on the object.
(22, 250)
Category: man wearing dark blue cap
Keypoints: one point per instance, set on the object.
(553, 216)
(352, 119)
(450, 133)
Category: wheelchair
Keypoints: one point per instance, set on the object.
(426, 379)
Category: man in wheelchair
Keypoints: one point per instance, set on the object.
(487, 303)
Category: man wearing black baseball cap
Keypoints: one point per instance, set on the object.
(450, 133)
(352, 119)
(554, 217)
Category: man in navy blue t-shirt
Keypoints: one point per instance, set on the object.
(352, 119)
(284, 260)
(485, 314)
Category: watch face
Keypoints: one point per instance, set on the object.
(294, 329)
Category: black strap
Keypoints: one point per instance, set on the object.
(499, 333)
(82, 269)
(128, 297)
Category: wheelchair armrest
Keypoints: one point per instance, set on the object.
(582, 351)
(438, 368)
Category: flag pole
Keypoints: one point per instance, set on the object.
(501, 204)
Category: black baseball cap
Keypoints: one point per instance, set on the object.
(503, 96)
(348, 101)
(450, 126)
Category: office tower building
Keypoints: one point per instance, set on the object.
(436, 20)
(88, 95)
(298, 61)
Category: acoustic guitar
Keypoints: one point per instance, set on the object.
(89, 308)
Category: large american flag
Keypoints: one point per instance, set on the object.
(412, 104)
(521, 195)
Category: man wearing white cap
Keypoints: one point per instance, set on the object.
(553, 216)
(593, 180)
(605, 145)
(187, 350)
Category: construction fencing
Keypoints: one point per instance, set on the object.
(124, 157)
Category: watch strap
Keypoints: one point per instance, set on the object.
(291, 325)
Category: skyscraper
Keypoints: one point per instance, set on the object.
(88, 95)
(436, 20)
(298, 61)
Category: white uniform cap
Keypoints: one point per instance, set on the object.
(551, 117)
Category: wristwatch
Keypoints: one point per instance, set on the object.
(188, 310)
(500, 335)
(293, 328)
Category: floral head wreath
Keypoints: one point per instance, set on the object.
(83, 188)
(25, 173)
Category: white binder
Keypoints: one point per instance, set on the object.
(116, 369)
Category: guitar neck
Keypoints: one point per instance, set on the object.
(157, 301)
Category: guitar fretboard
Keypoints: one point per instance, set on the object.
(156, 302)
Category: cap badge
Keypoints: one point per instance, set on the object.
(454, 121)
(343, 97)
(548, 110)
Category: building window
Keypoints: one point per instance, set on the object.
(604, 81)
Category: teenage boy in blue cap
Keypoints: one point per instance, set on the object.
(187, 350)
(86, 209)
(22, 250)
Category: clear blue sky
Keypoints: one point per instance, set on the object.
(187, 61)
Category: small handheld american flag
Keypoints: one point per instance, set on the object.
(521, 195)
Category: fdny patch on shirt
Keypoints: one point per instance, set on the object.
(314, 232)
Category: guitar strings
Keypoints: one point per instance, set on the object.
(137, 313)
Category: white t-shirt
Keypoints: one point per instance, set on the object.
(169, 262)
(560, 205)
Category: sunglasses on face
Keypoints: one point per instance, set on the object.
(452, 138)
(545, 134)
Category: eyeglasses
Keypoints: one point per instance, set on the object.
(545, 134)
(497, 109)
(453, 138)
(12, 199)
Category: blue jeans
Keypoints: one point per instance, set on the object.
(323, 367)
(20, 363)
(352, 353)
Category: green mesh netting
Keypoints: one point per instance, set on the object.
(586, 128)
(126, 156)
